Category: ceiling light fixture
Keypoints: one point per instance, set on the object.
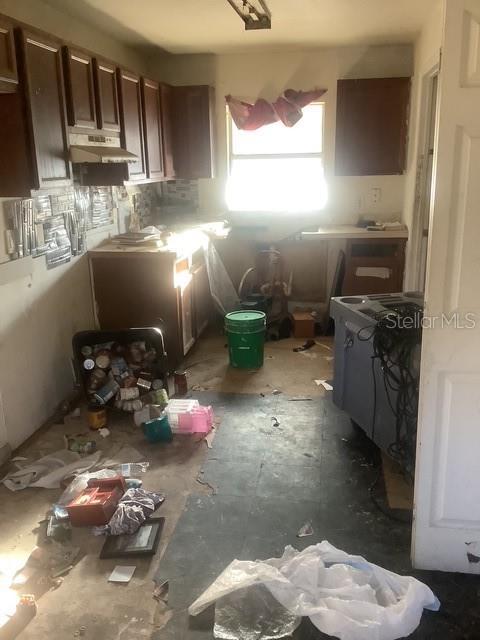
(254, 13)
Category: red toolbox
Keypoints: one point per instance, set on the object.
(97, 503)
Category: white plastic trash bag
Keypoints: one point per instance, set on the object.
(345, 596)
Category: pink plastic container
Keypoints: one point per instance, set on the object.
(197, 420)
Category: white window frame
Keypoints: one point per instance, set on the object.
(231, 156)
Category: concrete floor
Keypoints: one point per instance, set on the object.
(263, 483)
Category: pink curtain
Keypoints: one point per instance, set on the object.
(287, 108)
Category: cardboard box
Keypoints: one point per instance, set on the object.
(303, 324)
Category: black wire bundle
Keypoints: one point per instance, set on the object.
(396, 344)
(397, 337)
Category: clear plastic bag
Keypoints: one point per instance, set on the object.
(221, 287)
(345, 596)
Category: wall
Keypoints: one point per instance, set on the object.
(267, 74)
(426, 57)
(41, 309)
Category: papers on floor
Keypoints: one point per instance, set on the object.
(326, 385)
(49, 471)
(122, 573)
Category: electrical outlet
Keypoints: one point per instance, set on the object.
(376, 195)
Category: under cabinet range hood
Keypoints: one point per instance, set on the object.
(99, 160)
(100, 154)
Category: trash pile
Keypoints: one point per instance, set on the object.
(125, 376)
(344, 596)
(105, 495)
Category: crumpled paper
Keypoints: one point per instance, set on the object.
(345, 596)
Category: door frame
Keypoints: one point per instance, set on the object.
(421, 173)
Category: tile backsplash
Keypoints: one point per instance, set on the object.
(55, 224)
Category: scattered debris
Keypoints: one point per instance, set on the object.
(300, 399)
(269, 357)
(262, 395)
(306, 530)
(104, 432)
(80, 443)
(326, 385)
(122, 573)
(473, 551)
(307, 354)
(276, 392)
(275, 422)
(160, 592)
(324, 346)
(209, 438)
(329, 358)
(206, 483)
(307, 345)
(79, 633)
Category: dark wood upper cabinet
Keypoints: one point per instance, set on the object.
(79, 89)
(192, 120)
(166, 98)
(106, 91)
(132, 122)
(372, 124)
(152, 128)
(42, 83)
(8, 62)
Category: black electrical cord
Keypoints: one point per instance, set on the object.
(395, 338)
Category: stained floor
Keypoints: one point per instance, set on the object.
(245, 498)
(266, 482)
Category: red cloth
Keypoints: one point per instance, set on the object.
(287, 108)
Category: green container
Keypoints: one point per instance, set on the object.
(157, 430)
(246, 336)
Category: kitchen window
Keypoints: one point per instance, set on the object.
(278, 168)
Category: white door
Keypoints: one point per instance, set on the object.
(446, 532)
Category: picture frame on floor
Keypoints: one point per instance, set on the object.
(143, 542)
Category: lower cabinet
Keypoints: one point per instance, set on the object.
(186, 312)
(142, 288)
(374, 265)
(202, 299)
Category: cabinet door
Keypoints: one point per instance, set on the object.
(186, 301)
(166, 99)
(202, 299)
(79, 89)
(106, 93)
(45, 100)
(192, 116)
(131, 122)
(8, 63)
(152, 129)
(371, 131)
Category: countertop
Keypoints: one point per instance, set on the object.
(353, 232)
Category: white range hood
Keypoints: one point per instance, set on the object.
(100, 154)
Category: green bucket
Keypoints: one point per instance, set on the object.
(246, 336)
